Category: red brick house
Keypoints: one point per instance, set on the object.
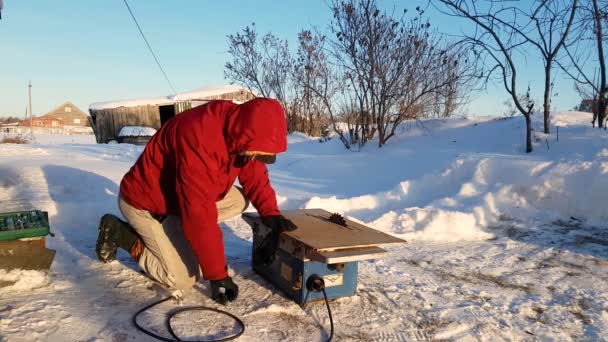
(45, 121)
(64, 119)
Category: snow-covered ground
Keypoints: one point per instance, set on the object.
(503, 245)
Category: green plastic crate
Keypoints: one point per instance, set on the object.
(24, 224)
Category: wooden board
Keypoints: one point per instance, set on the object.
(26, 254)
(32, 259)
(347, 255)
(315, 231)
(35, 242)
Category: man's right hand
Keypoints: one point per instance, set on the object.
(224, 290)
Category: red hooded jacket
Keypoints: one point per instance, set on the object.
(188, 166)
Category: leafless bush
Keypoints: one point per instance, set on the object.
(262, 65)
(307, 74)
(371, 72)
(17, 139)
(395, 68)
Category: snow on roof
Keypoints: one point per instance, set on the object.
(206, 92)
(136, 131)
(197, 94)
(130, 103)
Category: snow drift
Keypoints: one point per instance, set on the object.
(476, 189)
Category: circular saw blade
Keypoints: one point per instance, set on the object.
(337, 219)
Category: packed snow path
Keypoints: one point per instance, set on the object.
(502, 245)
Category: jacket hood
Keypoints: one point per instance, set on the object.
(257, 125)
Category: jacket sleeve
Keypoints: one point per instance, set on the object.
(256, 186)
(197, 195)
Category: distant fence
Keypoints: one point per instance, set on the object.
(73, 130)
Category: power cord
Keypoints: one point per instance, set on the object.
(314, 283)
(331, 320)
(172, 314)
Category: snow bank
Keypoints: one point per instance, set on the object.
(473, 193)
(136, 131)
(476, 190)
(22, 280)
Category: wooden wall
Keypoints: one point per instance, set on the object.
(109, 122)
(106, 123)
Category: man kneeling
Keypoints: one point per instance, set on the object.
(182, 186)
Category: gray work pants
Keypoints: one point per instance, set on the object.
(167, 256)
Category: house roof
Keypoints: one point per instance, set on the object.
(61, 110)
(204, 93)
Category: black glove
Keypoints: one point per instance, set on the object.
(278, 224)
(268, 248)
(224, 290)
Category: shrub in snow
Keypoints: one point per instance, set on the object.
(17, 139)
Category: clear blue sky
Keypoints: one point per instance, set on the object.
(87, 51)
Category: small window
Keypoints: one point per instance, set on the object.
(77, 121)
(68, 109)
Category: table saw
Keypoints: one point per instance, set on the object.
(324, 245)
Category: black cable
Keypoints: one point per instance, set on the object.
(331, 320)
(150, 48)
(172, 314)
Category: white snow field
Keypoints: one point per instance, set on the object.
(502, 245)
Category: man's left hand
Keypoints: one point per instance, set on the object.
(278, 224)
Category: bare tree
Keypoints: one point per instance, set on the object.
(263, 66)
(307, 74)
(552, 21)
(322, 80)
(246, 65)
(391, 65)
(277, 64)
(592, 17)
(375, 72)
(495, 41)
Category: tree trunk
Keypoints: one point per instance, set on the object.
(601, 109)
(547, 96)
(528, 133)
(600, 52)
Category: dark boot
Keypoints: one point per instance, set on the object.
(114, 233)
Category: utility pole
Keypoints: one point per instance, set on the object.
(31, 113)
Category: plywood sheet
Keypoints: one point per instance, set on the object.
(347, 255)
(27, 259)
(315, 231)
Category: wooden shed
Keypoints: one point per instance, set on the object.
(108, 118)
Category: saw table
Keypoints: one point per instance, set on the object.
(324, 245)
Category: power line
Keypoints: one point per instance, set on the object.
(149, 48)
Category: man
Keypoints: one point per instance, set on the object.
(182, 186)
